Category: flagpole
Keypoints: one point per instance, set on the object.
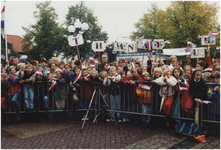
(6, 45)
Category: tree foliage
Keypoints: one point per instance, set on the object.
(181, 21)
(94, 33)
(44, 35)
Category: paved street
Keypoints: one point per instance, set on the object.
(101, 135)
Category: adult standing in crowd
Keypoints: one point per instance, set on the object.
(13, 61)
(104, 58)
(55, 60)
(52, 67)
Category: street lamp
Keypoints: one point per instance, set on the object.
(75, 40)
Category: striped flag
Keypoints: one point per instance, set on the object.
(52, 86)
(187, 50)
(167, 42)
(89, 41)
(206, 102)
(145, 87)
(3, 57)
(136, 37)
(183, 88)
(133, 65)
(78, 77)
(190, 43)
(64, 36)
(81, 32)
(217, 48)
(2, 23)
(9, 51)
(198, 37)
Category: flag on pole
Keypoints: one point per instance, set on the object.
(3, 57)
(52, 86)
(89, 41)
(2, 23)
(206, 48)
(198, 37)
(217, 48)
(214, 33)
(133, 65)
(190, 43)
(9, 51)
(64, 36)
(209, 35)
(167, 42)
(136, 37)
(187, 50)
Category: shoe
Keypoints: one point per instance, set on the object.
(119, 120)
(108, 119)
(124, 120)
(127, 119)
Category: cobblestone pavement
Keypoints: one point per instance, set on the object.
(101, 135)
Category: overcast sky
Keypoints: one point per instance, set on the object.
(116, 17)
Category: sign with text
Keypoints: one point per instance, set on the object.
(75, 40)
(121, 46)
(158, 44)
(206, 41)
(198, 52)
(98, 46)
(132, 47)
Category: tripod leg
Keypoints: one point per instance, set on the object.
(88, 111)
(109, 109)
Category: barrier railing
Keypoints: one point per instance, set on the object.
(44, 99)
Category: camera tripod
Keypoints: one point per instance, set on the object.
(91, 101)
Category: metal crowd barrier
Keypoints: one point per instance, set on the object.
(128, 105)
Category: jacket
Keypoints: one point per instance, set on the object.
(13, 85)
(60, 89)
(214, 97)
(170, 87)
(85, 88)
(113, 84)
(28, 77)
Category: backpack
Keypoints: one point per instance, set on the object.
(187, 130)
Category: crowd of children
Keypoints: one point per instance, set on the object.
(171, 85)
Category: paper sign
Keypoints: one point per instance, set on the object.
(158, 44)
(145, 44)
(121, 46)
(205, 41)
(132, 47)
(197, 52)
(98, 46)
(75, 41)
(176, 51)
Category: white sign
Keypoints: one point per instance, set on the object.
(198, 52)
(75, 41)
(177, 51)
(145, 44)
(121, 46)
(205, 41)
(98, 46)
(132, 47)
(158, 44)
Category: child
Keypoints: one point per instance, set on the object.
(59, 91)
(132, 83)
(119, 70)
(145, 98)
(66, 74)
(178, 64)
(188, 69)
(167, 83)
(14, 90)
(183, 97)
(86, 90)
(112, 82)
(214, 96)
(207, 77)
(28, 78)
(198, 88)
(187, 77)
(61, 65)
(4, 83)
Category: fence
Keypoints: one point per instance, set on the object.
(129, 105)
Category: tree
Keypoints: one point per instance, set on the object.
(12, 52)
(44, 35)
(94, 32)
(181, 21)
